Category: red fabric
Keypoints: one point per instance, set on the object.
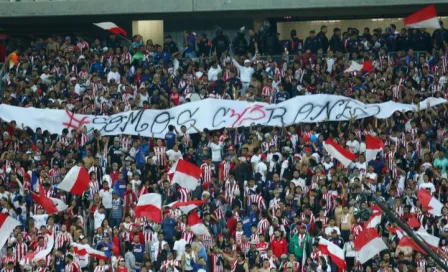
(421, 15)
(231, 225)
(279, 247)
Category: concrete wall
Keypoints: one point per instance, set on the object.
(27, 8)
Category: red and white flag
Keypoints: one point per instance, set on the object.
(76, 181)
(112, 28)
(7, 226)
(196, 224)
(373, 146)
(430, 240)
(150, 206)
(186, 175)
(51, 205)
(424, 18)
(430, 203)
(186, 206)
(368, 244)
(375, 218)
(83, 250)
(36, 256)
(338, 152)
(336, 253)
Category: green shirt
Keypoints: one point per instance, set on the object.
(441, 164)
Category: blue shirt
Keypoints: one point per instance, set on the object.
(170, 138)
(138, 250)
(107, 247)
(59, 264)
(168, 227)
(120, 187)
(281, 97)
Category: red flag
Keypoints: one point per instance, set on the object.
(424, 18)
(373, 146)
(150, 206)
(112, 28)
(369, 243)
(338, 152)
(50, 205)
(430, 203)
(186, 174)
(196, 224)
(76, 181)
(413, 222)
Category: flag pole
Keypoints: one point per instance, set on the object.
(391, 216)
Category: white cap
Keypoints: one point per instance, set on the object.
(246, 61)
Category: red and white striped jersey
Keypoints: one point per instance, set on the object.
(167, 264)
(20, 250)
(63, 139)
(255, 238)
(267, 91)
(7, 259)
(149, 237)
(245, 246)
(441, 133)
(230, 191)
(356, 230)
(101, 268)
(72, 267)
(259, 200)
(216, 266)
(315, 255)
(262, 247)
(207, 241)
(184, 194)
(295, 265)
(238, 237)
(94, 188)
(207, 172)
(63, 237)
(224, 168)
(219, 212)
(160, 153)
(421, 264)
(263, 226)
(188, 236)
(329, 197)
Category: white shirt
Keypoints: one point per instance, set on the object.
(427, 185)
(155, 249)
(213, 73)
(179, 247)
(262, 169)
(353, 146)
(329, 230)
(45, 78)
(245, 72)
(106, 198)
(113, 75)
(40, 220)
(98, 219)
(173, 155)
(216, 151)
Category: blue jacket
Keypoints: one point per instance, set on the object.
(120, 187)
(138, 250)
(98, 68)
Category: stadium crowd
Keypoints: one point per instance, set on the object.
(269, 192)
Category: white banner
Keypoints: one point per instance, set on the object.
(211, 114)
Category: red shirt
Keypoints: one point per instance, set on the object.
(231, 225)
(279, 247)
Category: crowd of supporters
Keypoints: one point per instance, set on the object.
(270, 192)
